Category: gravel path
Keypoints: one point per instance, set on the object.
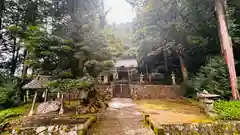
(121, 118)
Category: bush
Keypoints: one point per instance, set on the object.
(9, 93)
(212, 77)
(227, 110)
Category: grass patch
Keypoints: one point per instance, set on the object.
(174, 105)
(227, 110)
(74, 103)
(13, 113)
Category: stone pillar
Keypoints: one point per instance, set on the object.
(173, 79)
(129, 75)
(150, 78)
(141, 78)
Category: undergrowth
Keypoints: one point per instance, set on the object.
(227, 110)
(10, 114)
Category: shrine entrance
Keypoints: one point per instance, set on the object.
(123, 73)
(123, 69)
(121, 91)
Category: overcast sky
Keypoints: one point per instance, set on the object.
(121, 11)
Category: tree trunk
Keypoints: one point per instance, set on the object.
(183, 68)
(13, 63)
(226, 46)
(68, 98)
(2, 6)
(62, 104)
(166, 75)
(25, 67)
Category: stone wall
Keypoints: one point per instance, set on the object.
(201, 129)
(55, 129)
(47, 130)
(155, 92)
(211, 128)
(139, 91)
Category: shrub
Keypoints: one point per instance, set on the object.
(227, 110)
(212, 77)
(9, 92)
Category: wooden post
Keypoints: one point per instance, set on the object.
(226, 46)
(147, 72)
(33, 104)
(46, 95)
(27, 95)
(62, 102)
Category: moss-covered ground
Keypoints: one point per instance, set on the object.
(16, 117)
(12, 117)
(172, 111)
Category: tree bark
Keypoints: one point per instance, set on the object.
(183, 68)
(2, 6)
(13, 62)
(25, 67)
(68, 98)
(166, 74)
(226, 45)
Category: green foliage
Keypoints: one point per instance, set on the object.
(85, 83)
(212, 77)
(108, 64)
(161, 23)
(9, 93)
(66, 85)
(13, 113)
(63, 85)
(227, 110)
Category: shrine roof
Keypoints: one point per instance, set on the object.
(126, 63)
(40, 82)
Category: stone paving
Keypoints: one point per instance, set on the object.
(121, 118)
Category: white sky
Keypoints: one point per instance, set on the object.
(121, 11)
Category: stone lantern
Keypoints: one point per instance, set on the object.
(206, 101)
(173, 79)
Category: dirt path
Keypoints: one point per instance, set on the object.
(121, 118)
